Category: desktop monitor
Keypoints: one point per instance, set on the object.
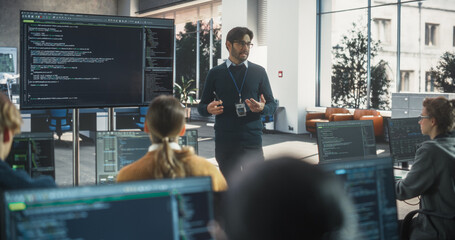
(156, 209)
(80, 60)
(8, 60)
(369, 182)
(190, 139)
(116, 149)
(345, 139)
(405, 137)
(33, 153)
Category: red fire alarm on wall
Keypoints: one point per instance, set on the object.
(280, 74)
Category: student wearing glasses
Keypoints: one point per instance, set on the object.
(237, 92)
(432, 176)
(165, 122)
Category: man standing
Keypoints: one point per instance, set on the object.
(237, 92)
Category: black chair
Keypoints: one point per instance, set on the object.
(405, 232)
(59, 121)
(142, 114)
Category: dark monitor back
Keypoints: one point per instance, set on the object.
(405, 137)
(33, 153)
(157, 209)
(116, 149)
(370, 184)
(345, 139)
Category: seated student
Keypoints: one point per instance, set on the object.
(432, 176)
(165, 121)
(10, 124)
(285, 198)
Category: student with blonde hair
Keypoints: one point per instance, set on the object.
(10, 125)
(165, 122)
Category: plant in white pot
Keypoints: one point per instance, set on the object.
(186, 93)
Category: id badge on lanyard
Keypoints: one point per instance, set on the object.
(240, 108)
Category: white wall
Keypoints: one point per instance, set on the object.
(291, 44)
(127, 7)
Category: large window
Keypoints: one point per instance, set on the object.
(386, 45)
(190, 20)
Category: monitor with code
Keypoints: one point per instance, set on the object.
(171, 209)
(345, 139)
(405, 137)
(370, 184)
(81, 60)
(33, 153)
(116, 149)
(190, 139)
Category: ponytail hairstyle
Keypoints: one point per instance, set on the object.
(443, 110)
(10, 116)
(165, 120)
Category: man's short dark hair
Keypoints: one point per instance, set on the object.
(286, 198)
(238, 33)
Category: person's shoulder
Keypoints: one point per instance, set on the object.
(428, 145)
(132, 170)
(255, 66)
(219, 68)
(200, 164)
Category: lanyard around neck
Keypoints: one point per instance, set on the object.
(243, 82)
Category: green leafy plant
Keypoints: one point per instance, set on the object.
(444, 74)
(185, 91)
(186, 51)
(349, 73)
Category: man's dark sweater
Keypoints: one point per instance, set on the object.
(10, 179)
(229, 128)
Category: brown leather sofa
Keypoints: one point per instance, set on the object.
(365, 114)
(313, 118)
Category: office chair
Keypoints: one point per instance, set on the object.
(142, 114)
(405, 232)
(59, 121)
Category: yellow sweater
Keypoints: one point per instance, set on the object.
(142, 169)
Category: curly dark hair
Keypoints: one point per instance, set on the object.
(238, 33)
(443, 110)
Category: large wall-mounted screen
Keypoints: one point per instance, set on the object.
(80, 60)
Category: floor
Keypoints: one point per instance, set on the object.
(302, 146)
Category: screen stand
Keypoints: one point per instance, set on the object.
(110, 119)
(76, 160)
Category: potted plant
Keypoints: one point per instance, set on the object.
(186, 94)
